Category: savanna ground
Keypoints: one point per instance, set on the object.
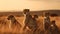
(5, 28)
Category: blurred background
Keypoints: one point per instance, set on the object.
(38, 7)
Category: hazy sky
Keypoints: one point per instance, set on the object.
(6, 5)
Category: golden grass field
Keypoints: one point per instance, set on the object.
(20, 20)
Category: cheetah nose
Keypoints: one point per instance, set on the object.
(8, 18)
(52, 25)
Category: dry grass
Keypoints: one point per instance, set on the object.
(20, 20)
